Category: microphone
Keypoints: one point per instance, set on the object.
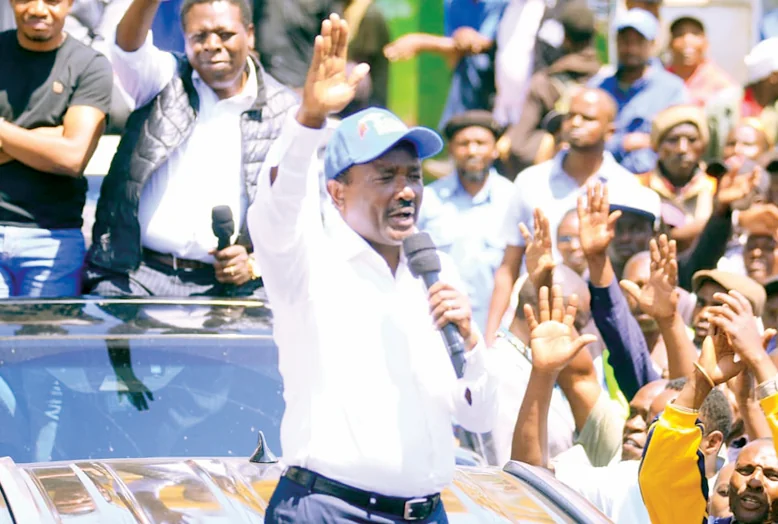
(223, 225)
(424, 262)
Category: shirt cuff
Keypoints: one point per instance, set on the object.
(138, 55)
(475, 359)
(306, 142)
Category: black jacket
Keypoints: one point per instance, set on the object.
(153, 133)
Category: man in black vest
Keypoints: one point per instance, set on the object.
(199, 139)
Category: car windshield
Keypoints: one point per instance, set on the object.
(138, 391)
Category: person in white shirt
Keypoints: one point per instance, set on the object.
(205, 124)
(370, 391)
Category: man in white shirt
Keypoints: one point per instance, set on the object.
(205, 123)
(370, 391)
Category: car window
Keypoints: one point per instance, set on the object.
(136, 395)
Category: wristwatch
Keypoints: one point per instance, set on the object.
(254, 268)
(767, 388)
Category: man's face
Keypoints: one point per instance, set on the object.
(700, 315)
(41, 20)
(569, 244)
(474, 151)
(651, 7)
(680, 151)
(759, 256)
(632, 48)
(638, 270)
(381, 199)
(636, 427)
(754, 484)
(217, 43)
(764, 91)
(719, 500)
(744, 141)
(586, 124)
(633, 233)
(688, 44)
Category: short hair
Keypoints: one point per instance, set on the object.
(676, 384)
(715, 413)
(246, 16)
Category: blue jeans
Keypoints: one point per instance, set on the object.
(40, 262)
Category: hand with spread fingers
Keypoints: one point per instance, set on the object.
(735, 319)
(718, 361)
(328, 89)
(552, 332)
(597, 226)
(659, 296)
(450, 306)
(538, 255)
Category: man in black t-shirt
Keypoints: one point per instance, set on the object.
(54, 95)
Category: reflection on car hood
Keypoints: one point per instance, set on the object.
(228, 490)
(132, 318)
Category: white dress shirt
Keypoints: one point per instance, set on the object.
(206, 171)
(370, 391)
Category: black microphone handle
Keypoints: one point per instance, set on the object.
(224, 242)
(451, 336)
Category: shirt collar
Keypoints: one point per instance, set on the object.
(247, 94)
(452, 186)
(699, 182)
(606, 168)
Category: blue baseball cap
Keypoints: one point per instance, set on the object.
(368, 134)
(641, 21)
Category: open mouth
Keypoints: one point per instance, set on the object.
(751, 502)
(403, 218)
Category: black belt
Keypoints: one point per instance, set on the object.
(408, 509)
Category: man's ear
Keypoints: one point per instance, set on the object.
(711, 444)
(337, 191)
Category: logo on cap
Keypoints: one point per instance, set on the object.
(382, 124)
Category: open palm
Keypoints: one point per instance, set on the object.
(551, 339)
(597, 226)
(538, 255)
(328, 88)
(659, 296)
(717, 358)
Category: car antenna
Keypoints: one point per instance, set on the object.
(263, 455)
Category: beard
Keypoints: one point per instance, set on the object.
(474, 176)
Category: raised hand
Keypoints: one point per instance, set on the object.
(735, 318)
(718, 361)
(734, 185)
(597, 225)
(551, 338)
(659, 296)
(328, 89)
(538, 255)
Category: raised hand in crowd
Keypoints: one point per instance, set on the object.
(735, 320)
(328, 88)
(554, 344)
(597, 227)
(659, 296)
(553, 338)
(538, 255)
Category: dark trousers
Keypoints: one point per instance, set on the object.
(293, 503)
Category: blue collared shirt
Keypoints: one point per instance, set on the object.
(657, 90)
(467, 228)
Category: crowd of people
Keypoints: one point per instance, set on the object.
(609, 233)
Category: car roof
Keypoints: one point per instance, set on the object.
(123, 317)
(234, 490)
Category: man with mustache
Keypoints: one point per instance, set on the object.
(204, 125)
(54, 96)
(463, 212)
(369, 387)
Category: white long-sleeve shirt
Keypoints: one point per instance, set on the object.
(370, 391)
